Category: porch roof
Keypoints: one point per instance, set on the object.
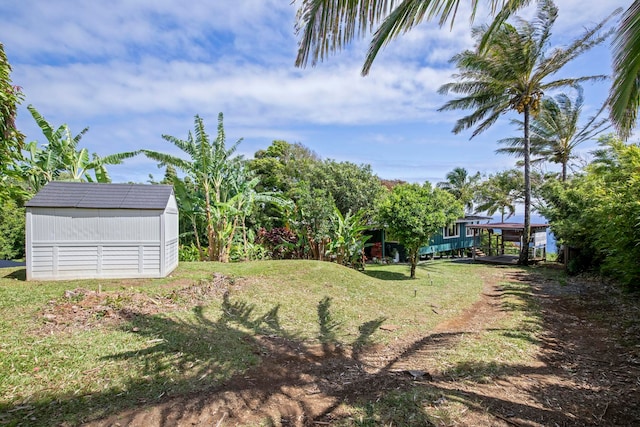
(514, 226)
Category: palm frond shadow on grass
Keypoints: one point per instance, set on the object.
(187, 354)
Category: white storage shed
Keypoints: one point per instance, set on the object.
(78, 230)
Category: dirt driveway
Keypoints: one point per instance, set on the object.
(587, 371)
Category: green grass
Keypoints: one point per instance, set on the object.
(80, 374)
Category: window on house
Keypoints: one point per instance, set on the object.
(469, 231)
(452, 231)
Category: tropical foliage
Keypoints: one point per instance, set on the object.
(512, 74)
(222, 193)
(11, 139)
(348, 241)
(624, 96)
(61, 159)
(326, 26)
(12, 227)
(415, 213)
(462, 185)
(597, 214)
(500, 193)
(556, 131)
(317, 188)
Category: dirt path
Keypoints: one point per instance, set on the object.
(581, 377)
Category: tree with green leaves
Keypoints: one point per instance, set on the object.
(312, 220)
(556, 131)
(500, 193)
(414, 213)
(598, 214)
(512, 74)
(282, 168)
(12, 229)
(11, 139)
(282, 165)
(353, 187)
(60, 159)
(462, 185)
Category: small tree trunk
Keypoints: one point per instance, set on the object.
(244, 239)
(226, 250)
(210, 231)
(413, 258)
(524, 249)
(198, 245)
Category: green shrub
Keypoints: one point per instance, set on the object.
(188, 253)
(12, 235)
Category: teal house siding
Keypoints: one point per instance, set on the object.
(452, 238)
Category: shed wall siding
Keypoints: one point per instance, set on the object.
(93, 243)
(171, 232)
(73, 225)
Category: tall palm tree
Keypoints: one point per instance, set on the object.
(462, 185)
(624, 96)
(500, 193)
(326, 26)
(512, 74)
(556, 132)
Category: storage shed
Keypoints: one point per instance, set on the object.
(77, 230)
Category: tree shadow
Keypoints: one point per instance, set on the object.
(19, 274)
(387, 275)
(189, 358)
(205, 351)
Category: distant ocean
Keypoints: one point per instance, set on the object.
(535, 219)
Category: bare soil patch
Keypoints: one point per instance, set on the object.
(82, 308)
(587, 372)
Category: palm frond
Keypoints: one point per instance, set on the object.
(327, 26)
(624, 95)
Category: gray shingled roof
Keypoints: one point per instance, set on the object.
(58, 194)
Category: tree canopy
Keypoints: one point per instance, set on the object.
(414, 213)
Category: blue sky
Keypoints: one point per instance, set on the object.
(134, 70)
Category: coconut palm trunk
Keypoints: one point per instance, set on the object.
(523, 259)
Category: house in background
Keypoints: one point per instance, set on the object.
(457, 238)
(80, 230)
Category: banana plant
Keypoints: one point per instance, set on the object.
(60, 158)
(349, 240)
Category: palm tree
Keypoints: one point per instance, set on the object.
(555, 131)
(624, 96)
(326, 26)
(500, 193)
(513, 74)
(462, 186)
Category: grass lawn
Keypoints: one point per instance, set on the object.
(73, 369)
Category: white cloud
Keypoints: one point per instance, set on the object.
(135, 70)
